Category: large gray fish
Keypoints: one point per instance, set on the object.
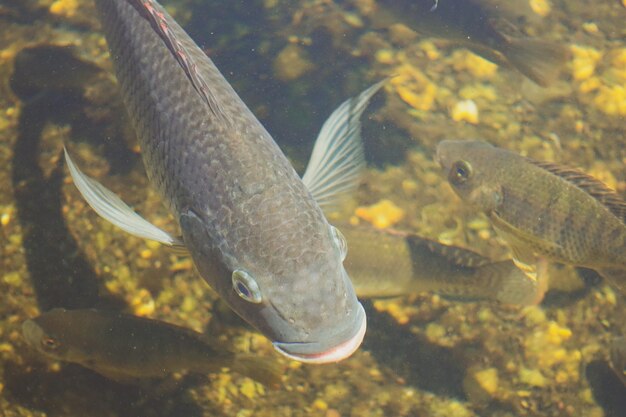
(124, 347)
(254, 229)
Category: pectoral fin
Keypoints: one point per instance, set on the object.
(337, 159)
(616, 277)
(109, 206)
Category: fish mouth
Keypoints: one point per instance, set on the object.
(301, 351)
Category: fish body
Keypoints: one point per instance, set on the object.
(476, 26)
(126, 347)
(254, 229)
(539, 208)
(388, 264)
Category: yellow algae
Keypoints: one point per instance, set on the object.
(353, 20)
(488, 380)
(541, 7)
(13, 279)
(481, 385)
(589, 85)
(599, 171)
(590, 27)
(320, 404)
(393, 309)
(142, 303)
(435, 332)
(248, 388)
(382, 214)
(544, 349)
(292, 63)
(430, 50)
(478, 91)
(465, 110)
(409, 186)
(385, 56)
(413, 87)
(65, 8)
(534, 315)
(478, 66)
(585, 59)
(611, 100)
(184, 264)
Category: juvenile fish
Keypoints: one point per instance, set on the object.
(387, 264)
(124, 347)
(254, 229)
(478, 27)
(544, 211)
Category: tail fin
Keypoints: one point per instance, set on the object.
(266, 371)
(541, 61)
(511, 285)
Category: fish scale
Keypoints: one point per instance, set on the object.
(157, 92)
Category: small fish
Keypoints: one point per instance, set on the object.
(254, 229)
(542, 210)
(389, 264)
(618, 357)
(477, 27)
(124, 347)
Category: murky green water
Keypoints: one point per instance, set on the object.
(425, 353)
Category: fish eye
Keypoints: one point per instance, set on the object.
(49, 343)
(460, 172)
(340, 241)
(246, 287)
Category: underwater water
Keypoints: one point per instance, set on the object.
(446, 335)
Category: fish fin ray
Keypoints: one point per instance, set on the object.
(615, 277)
(456, 255)
(510, 284)
(337, 160)
(591, 185)
(266, 371)
(157, 18)
(539, 60)
(109, 206)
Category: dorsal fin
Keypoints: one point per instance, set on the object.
(454, 254)
(592, 186)
(158, 19)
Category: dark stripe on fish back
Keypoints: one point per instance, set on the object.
(592, 186)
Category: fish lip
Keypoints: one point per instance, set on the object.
(334, 354)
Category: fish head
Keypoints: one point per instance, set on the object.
(473, 172)
(46, 334)
(302, 300)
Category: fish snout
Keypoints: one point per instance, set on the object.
(334, 348)
(32, 332)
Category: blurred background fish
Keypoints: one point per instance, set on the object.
(387, 264)
(480, 27)
(124, 347)
(542, 210)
